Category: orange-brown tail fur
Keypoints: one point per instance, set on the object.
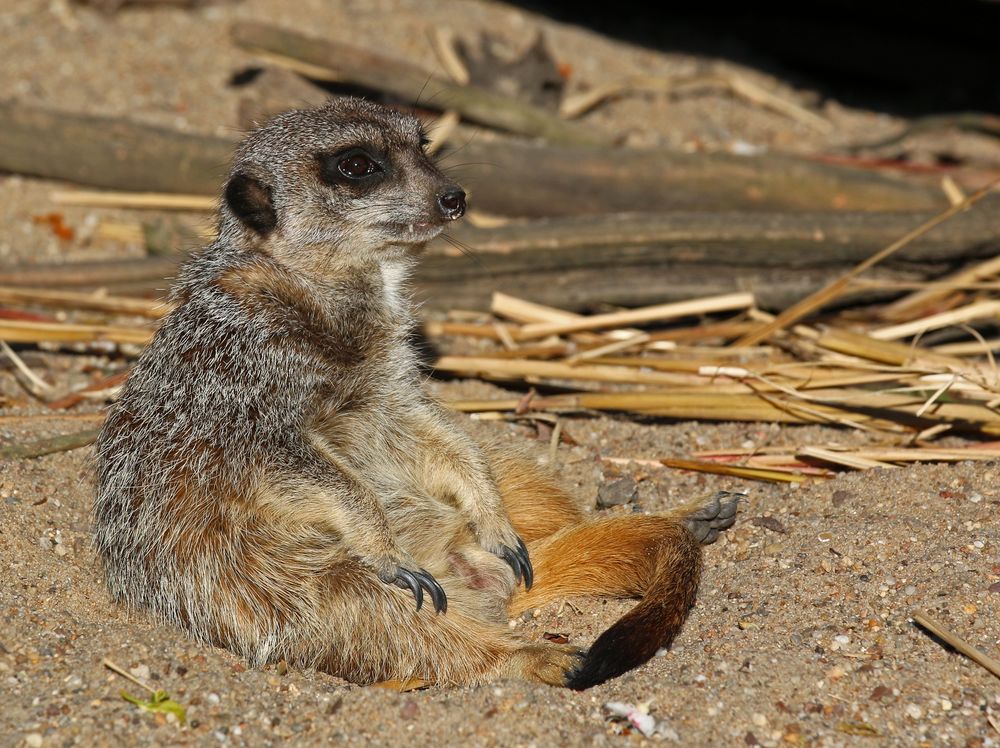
(654, 557)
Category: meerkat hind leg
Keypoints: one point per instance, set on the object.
(367, 632)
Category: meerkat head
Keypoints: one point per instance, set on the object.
(348, 178)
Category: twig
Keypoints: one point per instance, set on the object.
(443, 43)
(118, 669)
(49, 446)
(441, 131)
(554, 443)
(956, 642)
(36, 384)
(578, 104)
(832, 290)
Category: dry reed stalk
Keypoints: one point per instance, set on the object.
(835, 289)
(95, 301)
(31, 419)
(658, 313)
(930, 454)
(956, 642)
(557, 370)
(136, 200)
(435, 329)
(17, 331)
(772, 475)
(979, 310)
(615, 347)
(709, 405)
(530, 312)
(847, 459)
(526, 312)
(968, 348)
(911, 305)
(724, 330)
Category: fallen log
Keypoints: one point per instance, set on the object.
(504, 176)
(635, 259)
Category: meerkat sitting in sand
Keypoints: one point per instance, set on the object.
(275, 479)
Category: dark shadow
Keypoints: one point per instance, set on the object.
(903, 58)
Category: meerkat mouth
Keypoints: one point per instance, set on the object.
(420, 231)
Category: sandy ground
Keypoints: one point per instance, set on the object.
(802, 633)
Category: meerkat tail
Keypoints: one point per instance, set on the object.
(656, 558)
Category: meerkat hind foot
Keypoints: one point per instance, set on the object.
(718, 514)
(554, 664)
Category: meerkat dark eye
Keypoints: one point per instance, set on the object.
(357, 165)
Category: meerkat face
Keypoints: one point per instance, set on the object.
(348, 178)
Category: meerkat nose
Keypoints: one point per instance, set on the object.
(452, 204)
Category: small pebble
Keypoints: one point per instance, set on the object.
(914, 711)
(140, 671)
(617, 492)
(759, 719)
(213, 699)
(909, 590)
(409, 710)
(33, 739)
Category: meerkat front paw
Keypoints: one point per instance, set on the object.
(417, 581)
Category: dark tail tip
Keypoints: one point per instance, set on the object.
(629, 643)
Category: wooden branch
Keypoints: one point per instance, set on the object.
(503, 177)
(413, 84)
(529, 179)
(109, 152)
(632, 259)
(836, 288)
(49, 446)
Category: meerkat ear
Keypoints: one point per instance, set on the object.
(250, 200)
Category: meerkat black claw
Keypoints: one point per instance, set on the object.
(529, 572)
(436, 592)
(418, 581)
(408, 580)
(518, 560)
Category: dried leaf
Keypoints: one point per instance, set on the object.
(862, 729)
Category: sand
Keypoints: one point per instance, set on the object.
(802, 633)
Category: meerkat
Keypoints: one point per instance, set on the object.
(275, 478)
